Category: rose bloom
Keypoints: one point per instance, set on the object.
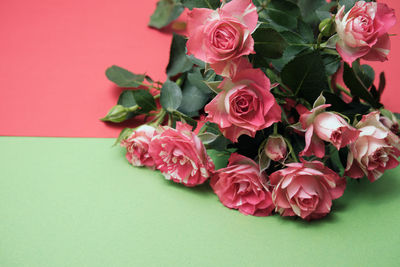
(320, 126)
(245, 105)
(276, 148)
(221, 36)
(363, 31)
(181, 156)
(306, 189)
(241, 186)
(375, 151)
(137, 146)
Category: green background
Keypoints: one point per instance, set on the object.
(77, 202)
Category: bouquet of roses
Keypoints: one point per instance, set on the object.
(265, 99)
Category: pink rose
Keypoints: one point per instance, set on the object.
(363, 31)
(320, 126)
(241, 186)
(306, 189)
(181, 156)
(220, 36)
(245, 105)
(137, 146)
(276, 148)
(375, 151)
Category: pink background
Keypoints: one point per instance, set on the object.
(54, 53)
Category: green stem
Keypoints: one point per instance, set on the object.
(319, 40)
(292, 154)
(341, 88)
(159, 118)
(133, 108)
(157, 96)
(275, 129)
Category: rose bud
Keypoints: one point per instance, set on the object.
(181, 156)
(320, 126)
(276, 148)
(137, 146)
(306, 189)
(332, 128)
(375, 151)
(363, 31)
(221, 36)
(241, 186)
(117, 113)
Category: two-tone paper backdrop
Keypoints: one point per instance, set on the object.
(77, 202)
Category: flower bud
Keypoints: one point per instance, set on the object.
(276, 148)
(326, 27)
(117, 113)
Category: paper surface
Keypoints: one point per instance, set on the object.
(54, 55)
(77, 202)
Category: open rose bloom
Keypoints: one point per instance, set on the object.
(241, 186)
(180, 156)
(363, 31)
(375, 151)
(245, 104)
(306, 189)
(137, 146)
(254, 105)
(221, 36)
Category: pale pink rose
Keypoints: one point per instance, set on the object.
(363, 31)
(181, 156)
(245, 105)
(320, 126)
(306, 189)
(241, 186)
(276, 148)
(137, 146)
(220, 36)
(375, 151)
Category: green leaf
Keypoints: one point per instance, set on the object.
(365, 72)
(171, 96)
(207, 138)
(335, 160)
(356, 86)
(127, 99)
(219, 158)
(308, 10)
(331, 63)
(211, 4)
(283, 13)
(296, 45)
(196, 79)
(178, 60)
(305, 31)
(193, 98)
(125, 133)
(347, 109)
(123, 77)
(269, 43)
(305, 75)
(145, 100)
(166, 11)
(184, 118)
